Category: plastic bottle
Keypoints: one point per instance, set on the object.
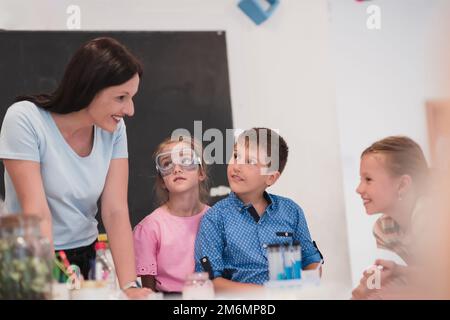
(102, 237)
(102, 269)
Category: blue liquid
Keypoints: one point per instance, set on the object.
(297, 270)
(288, 273)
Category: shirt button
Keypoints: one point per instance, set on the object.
(264, 246)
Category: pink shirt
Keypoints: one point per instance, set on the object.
(164, 248)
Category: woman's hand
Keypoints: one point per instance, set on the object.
(137, 293)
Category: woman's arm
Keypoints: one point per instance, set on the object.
(26, 178)
(116, 219)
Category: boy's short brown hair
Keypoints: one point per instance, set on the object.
(270, 142)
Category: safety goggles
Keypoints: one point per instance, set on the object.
(186, 158)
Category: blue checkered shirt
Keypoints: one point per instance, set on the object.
(234, 238)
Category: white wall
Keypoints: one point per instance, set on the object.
(382, 82)
(281, 77)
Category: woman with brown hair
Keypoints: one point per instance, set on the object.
(64, 151)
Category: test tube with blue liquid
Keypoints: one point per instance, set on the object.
(297, 258)
(288, 258)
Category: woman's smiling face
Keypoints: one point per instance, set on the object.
(111, 104)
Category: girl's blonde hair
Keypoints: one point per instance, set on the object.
(403, 156)
(162, 194)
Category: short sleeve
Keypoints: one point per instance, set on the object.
(18, 137)
(310, 254)
(120, 147)
(210, 244)
(146, 249)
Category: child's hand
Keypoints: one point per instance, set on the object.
(387, 270)
(361, 292)
(138, 293)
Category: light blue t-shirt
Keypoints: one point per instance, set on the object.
(72, 184)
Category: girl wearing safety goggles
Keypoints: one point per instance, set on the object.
(164, 240)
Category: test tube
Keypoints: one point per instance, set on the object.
(288, 261)
(275, 261)
(297, 257)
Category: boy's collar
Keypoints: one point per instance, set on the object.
(241, 206)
